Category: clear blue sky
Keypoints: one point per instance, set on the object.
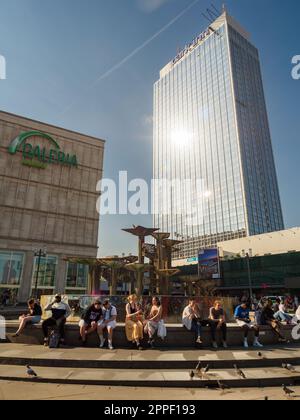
(56, 50)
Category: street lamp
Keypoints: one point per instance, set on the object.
(39, 254)
(248, 255)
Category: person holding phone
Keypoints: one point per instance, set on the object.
(60, 312)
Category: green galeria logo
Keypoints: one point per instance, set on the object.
(40, 156)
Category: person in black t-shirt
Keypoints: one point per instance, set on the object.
(89, 320)
(33, 316)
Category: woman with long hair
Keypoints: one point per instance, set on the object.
(133, 323)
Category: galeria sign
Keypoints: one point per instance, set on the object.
(39, 156)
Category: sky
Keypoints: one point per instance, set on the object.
(90, 66)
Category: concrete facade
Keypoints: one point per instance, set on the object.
(53, 207)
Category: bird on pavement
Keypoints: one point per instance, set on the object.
(199, 367)
(223, 387)
(30, 372)
(239, 372)
(199, 370)
(259, 354)
(288, 392)
(207, 369)
(192, 374)
(288, 367)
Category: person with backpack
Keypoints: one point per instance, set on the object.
(89, 321)
(60, 312)
(108, 322)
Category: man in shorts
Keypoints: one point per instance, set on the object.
(108, 322)
(89, 321)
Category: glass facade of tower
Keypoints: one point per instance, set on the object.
(211, 127)
(261, 186)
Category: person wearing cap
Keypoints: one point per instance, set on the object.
(89, 320)
(242, 317)
(108, 322)
(60, 312)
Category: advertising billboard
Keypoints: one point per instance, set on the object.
(209, 266)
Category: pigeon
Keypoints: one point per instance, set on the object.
(288, 392)
(192, 375)
(239, 372)
(199, 370)
(199, 367)
(259, 354)
(207, 369)
(223, 387)
(266, 398)
(31, 372)
(288, 367)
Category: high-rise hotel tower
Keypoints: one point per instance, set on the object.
(213, 154)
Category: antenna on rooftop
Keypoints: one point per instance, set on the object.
(211, 14)
(211, 19)
(215, 9)
(204, 15)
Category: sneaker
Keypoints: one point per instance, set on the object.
(199, 341)
(225, 345)
(110, 346)
(246, 345)
(215, 345)
(257, 344)
(102, 343)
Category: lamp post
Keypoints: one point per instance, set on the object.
(39, 254)
(248, 256)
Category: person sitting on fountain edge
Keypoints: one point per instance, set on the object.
(60, 312)
(89, 321)
(242, 317)
(217, 322)
(191, 319)
(268, 318)
(109, 323)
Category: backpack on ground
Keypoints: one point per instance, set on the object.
(54, 340)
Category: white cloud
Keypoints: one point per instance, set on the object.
(149, 6)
